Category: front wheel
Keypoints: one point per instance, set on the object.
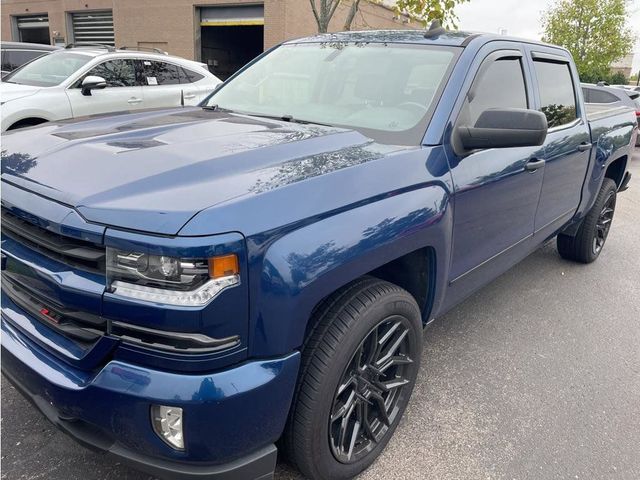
(588, 243)
(359, 367)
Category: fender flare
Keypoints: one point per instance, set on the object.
(304, 266)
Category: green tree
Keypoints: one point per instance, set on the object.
(422, 10)
(618, 78)
(428, 10)
(594, 31)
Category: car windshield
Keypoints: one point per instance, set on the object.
(48, 71)
(386, 91)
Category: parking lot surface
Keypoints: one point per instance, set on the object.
(537, 376)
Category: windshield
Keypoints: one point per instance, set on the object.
(386, 91)
(48, 71)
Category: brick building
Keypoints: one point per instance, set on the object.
(624, 66)
(223, 33)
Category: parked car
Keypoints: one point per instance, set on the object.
(633, 88)
(184, 287)
(16, 54)
(611, 97)
(90, 80)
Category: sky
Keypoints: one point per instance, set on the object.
(521, 18)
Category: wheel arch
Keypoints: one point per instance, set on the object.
(409, 230)
(27, 122)
(616, 170)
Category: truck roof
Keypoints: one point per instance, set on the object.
(449, 38)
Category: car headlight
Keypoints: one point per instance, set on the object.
(170, 280)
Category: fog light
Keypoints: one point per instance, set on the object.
(167, 423)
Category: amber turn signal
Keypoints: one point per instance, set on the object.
(223, 266)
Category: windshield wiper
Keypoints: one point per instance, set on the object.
(285, 118)
(216, 108)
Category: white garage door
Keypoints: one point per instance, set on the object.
(232, 16)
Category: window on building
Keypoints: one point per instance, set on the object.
(557, 96)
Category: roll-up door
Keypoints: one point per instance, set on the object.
(230, 37)
(33, 28)
(232, 16)
(93, 27)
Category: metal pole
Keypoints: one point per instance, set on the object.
(638, 79)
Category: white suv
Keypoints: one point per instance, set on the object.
(84, 80)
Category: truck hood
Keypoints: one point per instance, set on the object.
(13, 91)
(153, 171)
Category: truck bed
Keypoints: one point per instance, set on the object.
(598, 111)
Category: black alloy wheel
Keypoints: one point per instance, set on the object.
(589, 240)
(358, 368)
(366, 400)
(603, 225)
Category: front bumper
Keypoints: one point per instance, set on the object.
(231, 418)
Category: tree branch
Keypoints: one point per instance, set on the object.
(315, 11)
(333, 10)
(352, 14)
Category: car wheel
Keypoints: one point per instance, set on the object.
(358, 370)
(588, 243)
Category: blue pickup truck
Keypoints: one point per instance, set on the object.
(188, 288)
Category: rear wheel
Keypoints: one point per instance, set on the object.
(359, 368)
(588, 243)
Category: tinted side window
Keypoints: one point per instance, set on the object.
(558, 99)
(159, 73)
(190, 76)
(501, 85)
(117, 73)
(12, 59)
(599, 96)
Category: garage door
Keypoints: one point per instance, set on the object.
(93, 27)
(232, 16)
(33, 29)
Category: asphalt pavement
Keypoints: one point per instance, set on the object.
(537, 376)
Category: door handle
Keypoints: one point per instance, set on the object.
(134, 101)
(534, 164)
(584, 146)
(189, 96)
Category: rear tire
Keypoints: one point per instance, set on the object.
(588, 243)
(359, 366)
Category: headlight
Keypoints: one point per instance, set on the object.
(170, 280)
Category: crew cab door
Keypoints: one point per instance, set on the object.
(122, 92)
(496, 190)
(567, 147)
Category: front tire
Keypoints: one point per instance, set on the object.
(588, 243)
(359, 367)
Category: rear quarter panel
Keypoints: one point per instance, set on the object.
(612, 138)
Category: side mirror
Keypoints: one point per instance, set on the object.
(92, 82)
(504, 128)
